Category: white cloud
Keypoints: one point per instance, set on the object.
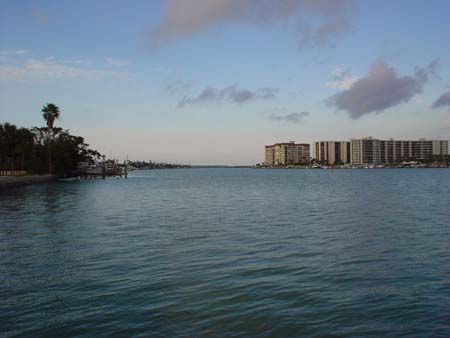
(14, 52)
(50, 69)
(341, 79)
(116, 62)
(76, 62)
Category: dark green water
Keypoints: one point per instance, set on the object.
(229, 252)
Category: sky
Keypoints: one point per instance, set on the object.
(213, 81)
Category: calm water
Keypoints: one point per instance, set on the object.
(229, 252)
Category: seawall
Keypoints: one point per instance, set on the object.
(11, 181)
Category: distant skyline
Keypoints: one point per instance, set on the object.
(213, 81)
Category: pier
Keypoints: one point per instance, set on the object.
(103, 169)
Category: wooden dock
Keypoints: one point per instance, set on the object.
(104, 169)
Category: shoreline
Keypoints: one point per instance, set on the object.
(368, 166)
(14, 181)
(350, 168)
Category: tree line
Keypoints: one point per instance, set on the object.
(41, 150)
(156, 165)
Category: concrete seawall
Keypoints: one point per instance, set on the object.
(9, 181)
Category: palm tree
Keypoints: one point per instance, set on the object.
(50, 114)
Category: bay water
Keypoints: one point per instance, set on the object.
(222, 252)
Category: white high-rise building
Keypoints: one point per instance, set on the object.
(374, 151)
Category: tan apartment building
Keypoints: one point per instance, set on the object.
(332, 152)
(290, 153)
(374, 151)
(365, 151)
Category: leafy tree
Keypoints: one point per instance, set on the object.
(69, 150)
(27, 149)
(24, 146)
(8, 139)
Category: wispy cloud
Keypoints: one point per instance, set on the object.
(341, 79)
(116, 62)
(442, 101)
(291, 118)
(231, 94)
(177, 87)
(14, 52)
(381, 89)
(319, 22)
(49, 69)
(76, 62)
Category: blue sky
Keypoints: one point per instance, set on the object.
(213, 81)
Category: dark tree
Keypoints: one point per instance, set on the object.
(50, 113)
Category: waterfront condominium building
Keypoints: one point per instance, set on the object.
(373, 151)
(287, 153)
(332, 152)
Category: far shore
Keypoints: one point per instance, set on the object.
(340, 168)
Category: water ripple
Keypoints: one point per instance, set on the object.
(229, 252)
